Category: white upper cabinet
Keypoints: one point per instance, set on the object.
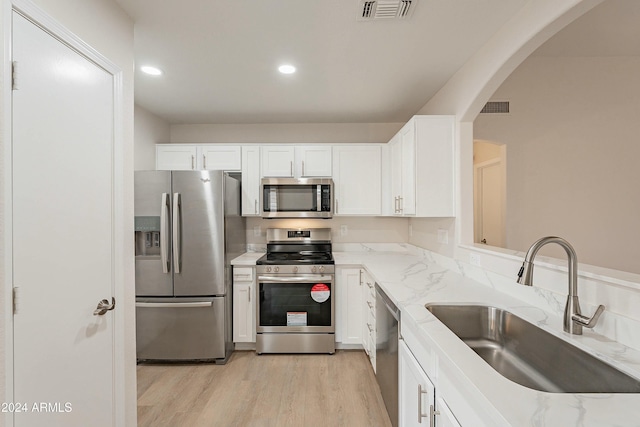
(176, 157)
(304, 161)
(421, 168)
(313, 161)
(250, 180)
(357, 177)
(220, 157)
(198, 157)
(277, 161)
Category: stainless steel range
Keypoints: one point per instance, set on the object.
(296, 304)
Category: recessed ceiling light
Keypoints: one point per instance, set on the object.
(287, 69)
(153, 71)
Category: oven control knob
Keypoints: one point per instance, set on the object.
(268, 269)
(313, 269)
(295, 269)
(321, 269)
(276, 269)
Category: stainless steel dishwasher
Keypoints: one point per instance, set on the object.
(387, 327)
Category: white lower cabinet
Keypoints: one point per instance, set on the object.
(444, 416)
(369, 316)
(349, 306)
(418, 405)
(415, 391)
(244, 305)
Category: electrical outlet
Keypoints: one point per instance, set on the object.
(257, 231)
(344, 230)
(474, 259)
(443, 236)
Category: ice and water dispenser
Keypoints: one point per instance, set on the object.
(147, 230)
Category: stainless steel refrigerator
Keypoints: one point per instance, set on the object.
(188, 226)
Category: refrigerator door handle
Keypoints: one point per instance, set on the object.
(174, 304)
(177, 218)
(164, 233)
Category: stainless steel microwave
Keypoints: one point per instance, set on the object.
(296, 198)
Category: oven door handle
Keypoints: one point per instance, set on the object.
(296, 279)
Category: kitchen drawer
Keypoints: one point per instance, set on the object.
(243, 274)
(180, 328)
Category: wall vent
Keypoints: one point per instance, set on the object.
(385, 9)
(495, 107)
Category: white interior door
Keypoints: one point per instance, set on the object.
(63, 232)
(489, 200)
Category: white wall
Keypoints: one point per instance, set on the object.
(358, 229)
(572, 155)
(471, 87)
(104, 26)
(285, 133)
(149, 130)
(4, 277)
(464, 95)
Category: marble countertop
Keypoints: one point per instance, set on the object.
(247, 259)
(412, 279)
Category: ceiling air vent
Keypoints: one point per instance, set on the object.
(496, 107)
(385, 9)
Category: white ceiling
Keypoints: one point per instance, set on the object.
(220, 57)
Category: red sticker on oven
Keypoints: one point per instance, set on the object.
(320, 292)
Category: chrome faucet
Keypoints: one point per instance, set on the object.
(573, 318)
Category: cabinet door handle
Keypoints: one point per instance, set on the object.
(204, 162)
(400, 203)
(193, 159)
(303, 168)
(432, 416)
(291, 167)
(255, 206)
(420, 414)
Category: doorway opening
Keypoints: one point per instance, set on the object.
(489, 192)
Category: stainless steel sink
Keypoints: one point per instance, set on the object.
(528, 355)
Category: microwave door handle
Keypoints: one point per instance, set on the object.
(177, 218)
(164, 233)
(319, 198)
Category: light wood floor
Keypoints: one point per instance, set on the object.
(266, 390)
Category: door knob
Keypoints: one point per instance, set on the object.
(104, 306)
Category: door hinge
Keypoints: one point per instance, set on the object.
(14, 75)
(14, 299)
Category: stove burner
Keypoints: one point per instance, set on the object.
(287, 258)
(297, 247)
